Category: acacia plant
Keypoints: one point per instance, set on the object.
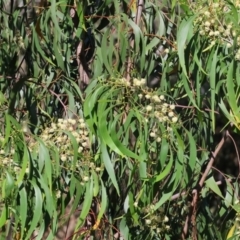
(119, 111)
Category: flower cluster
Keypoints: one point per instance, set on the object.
(6, 157)
(139, 83)
(59, 135)
(154, 107)
(157, 105)
(214, 22)
(157, 221)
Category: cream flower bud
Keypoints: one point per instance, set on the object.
(82, 125)
(16, 169)
(211, 33)
(85, 178)
(156, 98)
(58, 194)
(165, 119)
(207, 13)
(136, 82)
(148, 221)
(166, 219)
(166, 50)
(73, 121)
(147, 96)
(81, 120)
(207, 24)
(149, 108)
(162, 97)
(165, 105)
(143, 81)
(80, 149)
(174, 119)
(59, 139)
(152, 134)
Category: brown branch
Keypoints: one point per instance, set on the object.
(139, 12)
(184, 193)
(161, 38)
(59, 99)
(235, 146)
(193, 211)
(137, 21)
(214, 154)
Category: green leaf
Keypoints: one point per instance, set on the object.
(37, 211)
(165, 197)
(47, 190)
(106, 47)
(124, 228)
(9, 185)
(104, 132)
(109, 166)
(53, 9)
(46, 163)
(211, 183)
(182, 35)
(23, 208)
(4, 216)
(123, 149)
(24, 164)
(57, 54)
(104, 201)
(229, 195)
(86, 204)
(165, 172)
(96, 183)
(213, 86)
(193, 152)
(231, 95)
(163, 151)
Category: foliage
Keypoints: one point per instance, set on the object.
(81, 127)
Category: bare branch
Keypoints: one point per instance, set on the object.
(193, 211)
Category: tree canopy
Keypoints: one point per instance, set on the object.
(124, 114)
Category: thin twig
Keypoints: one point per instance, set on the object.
(235, 145)
(214, 154)
(59, 99)
(178, 195)
(193, 212)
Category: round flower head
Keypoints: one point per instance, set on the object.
(149, 108)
